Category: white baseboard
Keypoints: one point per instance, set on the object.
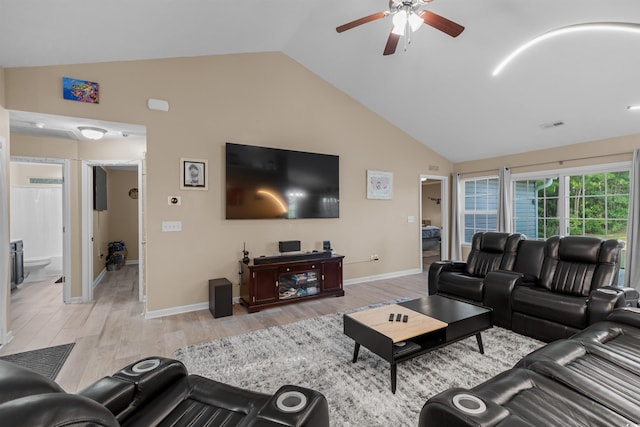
(8, 338)
(176, 310)
(182, 309)
(382, 276)
(76, 300)
(132, 262)
(153, 314)
(99, 278)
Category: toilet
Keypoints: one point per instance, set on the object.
(34, 269)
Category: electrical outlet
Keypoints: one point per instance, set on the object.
(171, 226)
(174, 200)
(375, 257)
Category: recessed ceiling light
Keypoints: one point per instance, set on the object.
(633, 107)
(91, 132)
(592, 26)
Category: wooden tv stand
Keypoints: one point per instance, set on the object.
(277, 283)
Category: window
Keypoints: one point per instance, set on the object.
(577, 203)
(598, 205)
(535, 207)
(480, 206)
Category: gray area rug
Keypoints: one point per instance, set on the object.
(315, 353)
(46, 361)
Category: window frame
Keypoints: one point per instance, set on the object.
(563, 176)
(464, 211)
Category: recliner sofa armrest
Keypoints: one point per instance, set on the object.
(293, 406)
(442, 410)
(498, 286)
(149, 377)
(113, 393)
(627, 315)
(62, 409)
(436, 268)
(603, 301)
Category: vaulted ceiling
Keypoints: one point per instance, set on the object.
(440, 90)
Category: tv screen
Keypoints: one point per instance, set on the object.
(99, 189)
(273, 183)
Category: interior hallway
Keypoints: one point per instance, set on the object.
(111, 332)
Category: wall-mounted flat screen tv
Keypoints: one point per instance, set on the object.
(274, 183)
(99, 189)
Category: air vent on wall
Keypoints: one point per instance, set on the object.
(551, 125)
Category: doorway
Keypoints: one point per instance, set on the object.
(40, 220)
(117, 228)
(434, 215)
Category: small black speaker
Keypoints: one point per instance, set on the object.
(326, 245)
(289, 245)
(220, 298)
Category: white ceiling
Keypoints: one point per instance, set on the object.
(440, 91)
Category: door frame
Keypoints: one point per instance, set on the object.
(86, 201)
(5, 268)
(444, 212)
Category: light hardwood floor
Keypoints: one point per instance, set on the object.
(111, 331)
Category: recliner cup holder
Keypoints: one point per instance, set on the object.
(145, 366)
(291, 401)
(469, 404)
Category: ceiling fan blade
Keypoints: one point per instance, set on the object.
(441, 23)
(361, 21)
(392, 43)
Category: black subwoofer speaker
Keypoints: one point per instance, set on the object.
(220, 298)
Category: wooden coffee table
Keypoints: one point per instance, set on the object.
(433, 322)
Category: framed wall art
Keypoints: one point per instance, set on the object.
(194, 174)
(379, 185)
(80, 90)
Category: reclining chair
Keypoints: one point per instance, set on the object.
(151, 392)
(465, 280)
(577, 286)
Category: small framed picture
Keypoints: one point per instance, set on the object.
(194, 174)
(379, 185)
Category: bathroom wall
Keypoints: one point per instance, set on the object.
(36, 211)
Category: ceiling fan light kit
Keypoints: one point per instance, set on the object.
(407, 17)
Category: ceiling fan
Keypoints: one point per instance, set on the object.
(407, 17)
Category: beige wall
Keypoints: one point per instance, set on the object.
(610, 150)
(123, 210)
(21, 172)
(258, 99)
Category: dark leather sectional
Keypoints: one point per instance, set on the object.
(544, 289)
(153, 391)
(590, 379)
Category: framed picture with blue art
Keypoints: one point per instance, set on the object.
(80, 90)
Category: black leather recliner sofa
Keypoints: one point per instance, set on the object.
(590, 379)
(551, 290)
(465, 280)
(154, 391)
